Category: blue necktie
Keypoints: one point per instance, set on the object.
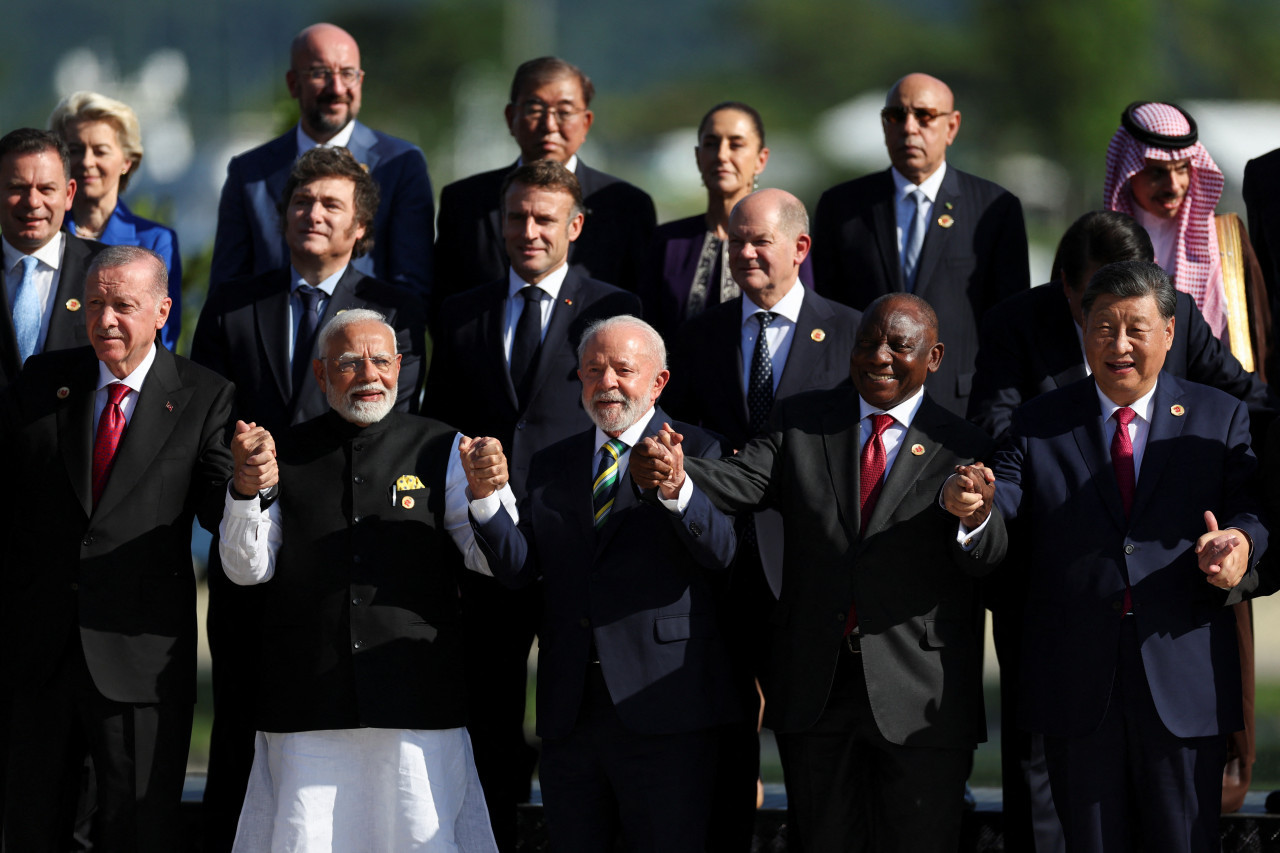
(304, 345)
(914, 242)
(26, 310)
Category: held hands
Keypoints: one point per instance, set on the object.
(484, 464)
(657, 462)
(969, 493)
(1224, 554)
(253, 452)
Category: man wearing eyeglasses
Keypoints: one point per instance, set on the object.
(549, 116)
(325, 78)
(921, 227)
(260, 332)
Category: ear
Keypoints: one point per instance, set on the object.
(587, 118)
(953, 126)
(1168, 335)
(575, 227)
(659, 382)
(317, 368)
(803, 243)
(71, 191)
(162, 312)
(763, 159)
(935, 357)
(291, 81)
(509, 112)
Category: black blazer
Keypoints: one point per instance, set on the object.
(1030, 346)
(965, 268)
(116, 578)
(244, 335)
(470, 250)
(67, 326)
(706, 363)
(470, 385)
(915, 588)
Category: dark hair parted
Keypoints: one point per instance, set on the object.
(29, 140)
(320, 163)
(544, 175)
(737, 106)
(1132, 279)
(1097, 238)
(535, 72)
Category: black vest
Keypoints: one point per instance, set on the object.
(360, 621)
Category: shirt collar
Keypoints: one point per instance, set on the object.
(341, 139)
(135, 379)
(571, 164)
(551, 284)
(788, 306)
(631, 435)
(1141, 407)
(904, 413)
(930, 187)
(50, 254)
(329, 285)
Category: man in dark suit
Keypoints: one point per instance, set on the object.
(923, 227)
(118, 447)
(777, 339)
(874, 682)
(504, 366)
(1261, 190)
(260, 332)
(325, 78)
(549, 115)
(1136, 493)
(44, 267)
(633, 677)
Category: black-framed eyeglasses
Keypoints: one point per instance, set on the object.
(348, 365)
(536, 111)
(924, 115)
(322, 76)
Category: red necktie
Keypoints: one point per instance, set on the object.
(871, 479)
(110, 428)
(1122, 461)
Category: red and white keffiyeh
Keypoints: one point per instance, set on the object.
(1198, 269)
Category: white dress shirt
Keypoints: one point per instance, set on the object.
(779, 334)
(134, 380)
(515, 303)
(48, 272)
(905, 208)
(341, 139)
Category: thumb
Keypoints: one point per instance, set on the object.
(241, 427)
(1210, 523)
(464, 443)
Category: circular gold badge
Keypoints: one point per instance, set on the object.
(1177, 410)
(73, 304)
(946, 221)
(818, 335)
(64, 392)
(917, 450)
(407, 503)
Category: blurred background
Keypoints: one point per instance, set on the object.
(1040, 83)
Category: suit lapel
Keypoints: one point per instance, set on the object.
(625, 498)
(563, 314)
(724, 357)
(908, 465)
(840, 440)
(160, 407)
(1164, 428)
(76, 431)
(492, 328)
(805, 350)
(1094, 451)
(886, 226)
(493, 222)
(937, 239)
(271, 315)
(362, 146)
(67, 327)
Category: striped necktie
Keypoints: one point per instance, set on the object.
(605, 486)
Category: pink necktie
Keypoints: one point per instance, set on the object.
(871, 479)
(1122, 461)
(110, 428)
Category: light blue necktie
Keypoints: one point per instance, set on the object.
(26, 310)
(914, 241)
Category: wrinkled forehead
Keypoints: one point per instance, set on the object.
(364, 338)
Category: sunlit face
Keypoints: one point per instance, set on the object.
(620, 379)
(124, 313)
(320, 221)
(326, 102)
(97, 160)
(729, 153)
(538, 225)
(893, 354)
(1161, 187)
(917, 147)
(358, 372)
(551, 122)
(764, 260)
(1125, 341)
(37, 196)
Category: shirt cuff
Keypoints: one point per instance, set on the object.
(968, 539)
(681, 501)
(484, 509)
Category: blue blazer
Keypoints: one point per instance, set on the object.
(640, 590)
(126, 228)
(1055, 483)
(248, 240)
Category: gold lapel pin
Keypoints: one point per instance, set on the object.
(818, 336)
(949, 205)
(917, 450)
(568, 302)
(946, 221)
(1177, 410)
(407, 502)
(73, 304)
(64, 392)
(168, 405)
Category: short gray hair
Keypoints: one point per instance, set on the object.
(350, 317)
(655, 347)
(113, 257)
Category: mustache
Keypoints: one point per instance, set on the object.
(609, 397)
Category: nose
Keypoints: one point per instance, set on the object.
(530, 228)
(315, 212)
(723, 154)
(366, 372)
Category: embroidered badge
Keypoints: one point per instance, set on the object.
(1177, 410)
(64, 392)
(917, 450)
(73, 304)
(946, 221)
(818, 336)
(168, 405)
(408, 482)
(407, 502)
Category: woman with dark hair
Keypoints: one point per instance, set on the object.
(690, 257)
(106, 148)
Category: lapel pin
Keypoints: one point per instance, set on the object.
(917, 450)
(818, 336)
(73, 304)
(407, 502)
(948, 205)
(1177, 410)
(64, 392)
(168, 405)
(568, 302)
(946, 221)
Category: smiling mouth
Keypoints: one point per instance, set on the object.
(1120, 366)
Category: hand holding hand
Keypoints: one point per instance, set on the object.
(969, 493)
(1223, 554)
(651, 463)
(253, 454)
(485, 465)
(669, 489)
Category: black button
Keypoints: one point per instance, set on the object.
(695, 528)
(1129, 549)
(521, 424)
(75, 586)
(358, 644)
(357, 447)
(357, 601)
(358, 479)
(356, 558)
(584, 622)
(86, 541)
(840, 617)
(1116, 605)
(355, 520)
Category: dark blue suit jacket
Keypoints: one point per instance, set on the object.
(1055, 482)
(249, 241)
(640, 590)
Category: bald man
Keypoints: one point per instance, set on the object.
(920, 227)
(325, 78)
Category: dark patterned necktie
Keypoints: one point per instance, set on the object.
(527, 342)
(605, 486)
(760, 390)
(304, 345)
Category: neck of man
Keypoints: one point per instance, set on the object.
(540, 277)
(315, 270)
(772, 295)
(320, 137)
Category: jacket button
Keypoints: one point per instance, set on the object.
(358, 479)
(521, 424)
(355, 520)
(1129, 549)
(357, 447)
(584, 622)
(87, 541)
(358, 644)
(695, 528)
(840, 617)
(356, 602)
(1116, 605)
(356, 558)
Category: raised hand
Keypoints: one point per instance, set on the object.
(969, 493)
(253, 454)
(485, 465)
(1223, 554)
